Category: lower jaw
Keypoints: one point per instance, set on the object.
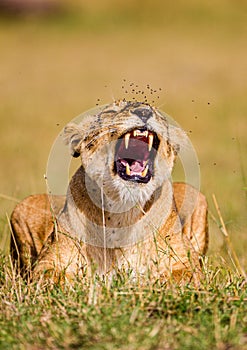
(136, 180)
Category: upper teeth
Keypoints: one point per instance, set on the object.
(140, 133)
(137, 133)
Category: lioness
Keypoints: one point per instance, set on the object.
(122, 211)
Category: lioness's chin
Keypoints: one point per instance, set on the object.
(130, 193)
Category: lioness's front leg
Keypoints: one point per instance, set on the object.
(31, 223)
(62, 257)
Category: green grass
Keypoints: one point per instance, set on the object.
(51, 70)
(124, 315)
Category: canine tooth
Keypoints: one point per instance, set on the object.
(145, 171)
(126, 140)
(150, 141)
(127, 169)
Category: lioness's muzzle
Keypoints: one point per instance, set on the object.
(135, 154)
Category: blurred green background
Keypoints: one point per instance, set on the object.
(59, 61)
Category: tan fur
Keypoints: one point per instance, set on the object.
(156, 230)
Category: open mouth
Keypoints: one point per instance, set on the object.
(135, 154)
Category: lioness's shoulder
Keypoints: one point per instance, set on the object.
(31, 205)
(35, 213)
(190, 203)
(185, 192)
(192, 210)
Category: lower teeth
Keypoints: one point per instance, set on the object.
(145, 171)
(127, 169)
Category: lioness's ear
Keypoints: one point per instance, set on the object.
(73, 138)
(178, 138)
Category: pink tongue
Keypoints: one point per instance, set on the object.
(137, 167)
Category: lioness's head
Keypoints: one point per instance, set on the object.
(128, 148)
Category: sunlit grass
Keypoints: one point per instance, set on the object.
(52, 69)
(123, 315)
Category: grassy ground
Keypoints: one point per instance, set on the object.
(123, 315)
(54, 68)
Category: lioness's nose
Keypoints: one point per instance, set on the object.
(143, 113)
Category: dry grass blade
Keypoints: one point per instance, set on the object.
(223, 229)
(4, 196)
(14, 240)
